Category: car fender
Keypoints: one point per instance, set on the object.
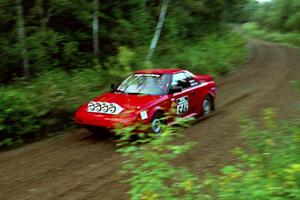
(209, 88)
(213, 90)
(212, 94)
(155, 109)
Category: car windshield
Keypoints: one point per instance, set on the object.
(148, 84)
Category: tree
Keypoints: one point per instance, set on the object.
(66, 35)
(96, 27)
(293, 23)
(22, 37)
(279, 15)
(157, 33)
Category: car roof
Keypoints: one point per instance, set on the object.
(158, 71)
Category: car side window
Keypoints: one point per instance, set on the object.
(180, 80)
(191, 80)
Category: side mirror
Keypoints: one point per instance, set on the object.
(175, 89)
(113, 86)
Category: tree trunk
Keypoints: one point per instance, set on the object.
(96, 27)
(159, 26)
(22, 37)
(42, 15)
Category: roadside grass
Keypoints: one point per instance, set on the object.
(31, 109)
(254, 31)
(148, 165)
(270, 171)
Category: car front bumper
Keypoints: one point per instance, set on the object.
(84, 118)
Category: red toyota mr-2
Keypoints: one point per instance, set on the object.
(146, 96)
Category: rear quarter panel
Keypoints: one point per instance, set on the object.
(205, 88)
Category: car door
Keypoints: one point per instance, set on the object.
(196, 92)
(182, 100)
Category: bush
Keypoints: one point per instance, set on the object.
(293, 23)
(30, 110)
(152, 176)
(250, 27)
(271, 171)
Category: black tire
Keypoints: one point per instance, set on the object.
(207, 105)
(99, 132)
(157, 123)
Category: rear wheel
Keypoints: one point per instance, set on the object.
(207, 105)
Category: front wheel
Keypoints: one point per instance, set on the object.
(157, 123)
(207, 105)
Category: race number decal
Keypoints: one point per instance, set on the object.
(104, 107)
(182, 105)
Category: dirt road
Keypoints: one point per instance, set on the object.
(79, 166)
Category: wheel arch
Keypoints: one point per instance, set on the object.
(156, 110)
(212, 97)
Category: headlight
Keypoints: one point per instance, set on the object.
(144, 115)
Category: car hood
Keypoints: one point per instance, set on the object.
(128, 102)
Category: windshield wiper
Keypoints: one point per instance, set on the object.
(120, 91)
(134, 93)
(138, 93)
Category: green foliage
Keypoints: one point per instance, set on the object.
(215, 54)
(278, 15)
(293, 23)
(152, 176)
(249, 11)
(295, 84)
(270, 171)
(252, 30)
(31, 110)
(59, 35)
(43, 45)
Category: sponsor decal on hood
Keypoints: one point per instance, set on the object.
(104, 107)
(126, 101)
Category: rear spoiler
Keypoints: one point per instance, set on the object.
(204, 78)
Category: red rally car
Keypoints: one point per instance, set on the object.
(146, 96)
